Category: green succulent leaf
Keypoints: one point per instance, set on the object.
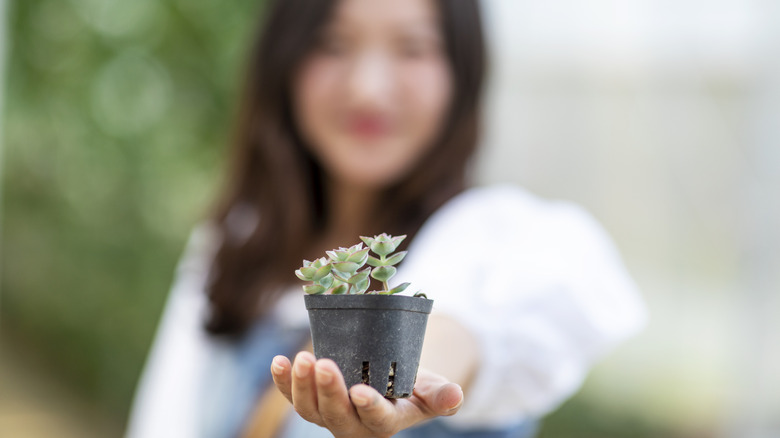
(362, 286)
(385, 244)
(322, 272)
(313, 289)
(340, 289)
(367, 240)
(397, 241)
(326, 281)
(300, 275)
(382, 249)
(356, 247)
(346, 267)
(373, 261)
(383, 273)
(400, 288)
(360, 276)
(308, 272)
(382, 245)
(340, 276)
(338, 255)
(359, 257)
(395, 258)
(306, 263)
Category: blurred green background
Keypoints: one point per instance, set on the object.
(116, 117)
(659, 116)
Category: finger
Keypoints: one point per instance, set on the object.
(304, 390)
(280, 371)
(439, 396)
(433, 396)
(377, 413)
(446, 400)
(333, 399)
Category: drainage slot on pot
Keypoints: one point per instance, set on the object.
(365, 378)
(391, 381)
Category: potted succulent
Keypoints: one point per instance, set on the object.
(375, 336)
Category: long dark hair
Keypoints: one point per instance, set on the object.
(275, 181)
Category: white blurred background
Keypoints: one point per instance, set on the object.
(662, 117)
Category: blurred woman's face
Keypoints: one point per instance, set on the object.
(372, 95)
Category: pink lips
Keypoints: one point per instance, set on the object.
(368, 126)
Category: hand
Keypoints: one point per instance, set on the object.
(317, 390)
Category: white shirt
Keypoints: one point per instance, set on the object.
(539, 284)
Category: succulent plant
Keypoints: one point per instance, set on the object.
(340, 272)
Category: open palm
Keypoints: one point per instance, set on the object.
(317, 390)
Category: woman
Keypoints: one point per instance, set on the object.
(360, 117)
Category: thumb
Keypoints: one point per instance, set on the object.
(448, 399)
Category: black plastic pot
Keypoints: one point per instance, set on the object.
(374, 339)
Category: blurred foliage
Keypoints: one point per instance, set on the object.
(117, 116)
(579, 418)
